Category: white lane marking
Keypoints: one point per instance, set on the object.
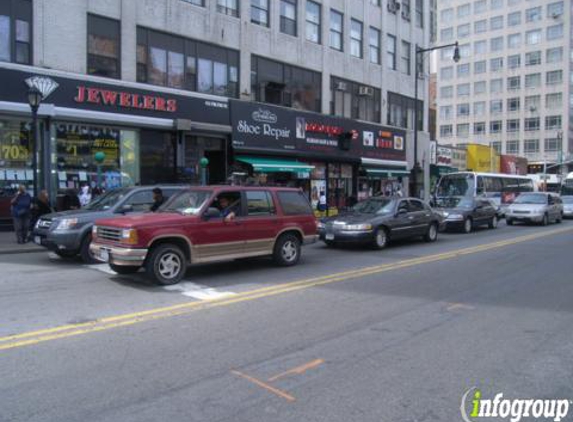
(53, 255)
(104, 268)
(198, 291)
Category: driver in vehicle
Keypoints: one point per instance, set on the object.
(228, 211)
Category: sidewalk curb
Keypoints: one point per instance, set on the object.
(20, 251)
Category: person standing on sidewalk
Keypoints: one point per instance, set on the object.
(40, 207)
(21, 208)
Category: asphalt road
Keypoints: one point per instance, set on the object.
(348, 335)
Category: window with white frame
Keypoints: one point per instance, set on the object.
(496, 145)
(554, 77)
(336, 30)
(419, 13)
(374, 45)
(446, 112)
(463, 130)
(554, 10)
(447, 92)
(260, 12)
(479, 108)
(405, 57)
(480, 47)
(533, 14)
(464, 30)
(513, 104)
(530, 146)
(514, 19)
(446, 131)
(496, 106)
(480, 87)
(554, 55)
(405, 6)
(228, 7)
(513, 83)
(464, 10)
(532, 103)
(465, 51)
(288, 17)
(479, 128)
(512, 125)
(447, 15)
(533, 80)
(480, 6)
(533, 37)
(555, 32)
(463, 90)
(496, 4)
(463, 70)
(531, 124)
(495, 126)
(496, 23)
(514, 41)
(356, 38)
(463, 110)
(496, 86)
(514, 61)
(496, 64)
(552, 122)
(446, 73)
(480, 26)
(553, 144)
(313, 14)
(480, 67)
(554, 101)
(512, 147)
(447, 34)
(533, 58)
(391, 51)
(496, 44)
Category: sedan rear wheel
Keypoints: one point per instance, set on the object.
(432, 233)
(493, 223)
(467, 225)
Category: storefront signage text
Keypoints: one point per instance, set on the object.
(266, 130)
(326, 129)
(124, 99)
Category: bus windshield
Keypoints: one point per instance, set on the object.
(456, 185)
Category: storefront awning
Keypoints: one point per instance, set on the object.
(386, 172)
(269, 165)
(388, 168)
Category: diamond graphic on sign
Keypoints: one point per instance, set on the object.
(43, 84)
(264, 116)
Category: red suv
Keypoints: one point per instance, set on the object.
(207, 224)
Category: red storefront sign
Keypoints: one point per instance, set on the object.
(111, 98)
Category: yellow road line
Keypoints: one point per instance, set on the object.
(301, 369)
(264, 385)
(69, 330)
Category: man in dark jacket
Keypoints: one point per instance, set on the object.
(40, 206)
(158, 199)
(21, 207)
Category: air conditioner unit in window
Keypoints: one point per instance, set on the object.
(406, 14)
(533, 109)
(556, 15)
(341, 86)
(366, 90)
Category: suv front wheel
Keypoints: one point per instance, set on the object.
(166, 264)
(287, 250)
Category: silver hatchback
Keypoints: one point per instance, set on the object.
(567, 206)
(535, 207)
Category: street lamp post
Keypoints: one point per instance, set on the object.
(419, 52)
(34, 99)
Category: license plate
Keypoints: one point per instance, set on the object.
(329, 236)
(37, 240)
(104, 255)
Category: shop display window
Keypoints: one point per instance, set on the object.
(15, 155)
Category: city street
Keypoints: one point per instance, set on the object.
(349, 334)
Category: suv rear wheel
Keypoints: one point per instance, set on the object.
(166, 264)
(287, 250)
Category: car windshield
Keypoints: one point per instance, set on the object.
(188, 202)
(531, 198)
(375, 206)
(567, 199)
(453, 202)
(107, 200)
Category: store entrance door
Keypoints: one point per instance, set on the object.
(196, 147)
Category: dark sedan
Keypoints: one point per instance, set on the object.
(377, 220)
(464, 214)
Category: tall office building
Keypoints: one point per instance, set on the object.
(158, 85)
(512, 86)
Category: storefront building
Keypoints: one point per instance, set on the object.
(345, 159)
(441, 160)
(146, 135)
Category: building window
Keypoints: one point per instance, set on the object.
(288, 17)
(533, 80)
(480, 87)
(463, 90)
(496, 145)
(532, 103)
(554, 77)
(496, 4)
(553, 144)
(228, 7)
(463, 130)
(391, 51)
(313, 22)
(480, 26)
(513, 104)
(420, 13)
(355, 38)
(496, 44)
(552, 122)
(376, 2)
(480, 6)
(406, 60)
(480, 67)
(496, 86)
(16, 31)
(446, 92)
(463, 110)
(374, 41)
(277, 83)
(496, 64)
(479, 108)
(464, 30)
(447, 34)
(169, 60)
(496, 106)
(465, 51)
(496, 23)
(514, 61)
(533, 14)
(554, 55)
(495, 126)
(401, 111)
(480, 47)
(103, 47)
(196, 2)
(260, 12)
(555, 10)
(446, 73)
(514, 41)
(464, 10)
(533, 58)
(531, 146)
(447, 15)
(354, 100)
(479, 128)
(555, 32)
(532, 124)
(463, 70)
(336, 30)
(512, 147)
(554, 101)
(533, 37)
(514, 19)
(406, 9)
(446, 112)
(512, 125)
(446, 131)
(513, 83)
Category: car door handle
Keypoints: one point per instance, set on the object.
(411, 217)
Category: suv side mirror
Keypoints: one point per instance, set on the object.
(125, 208)
(211, 212)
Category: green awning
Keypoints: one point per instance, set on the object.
(269, 165)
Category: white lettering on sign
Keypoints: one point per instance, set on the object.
(266, 129)
(275, 133)
(244, 127)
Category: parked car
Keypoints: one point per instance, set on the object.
(567, 206)
(69, 233)
(378, 220)
(207, 224)
(466, 213)
(535, 207)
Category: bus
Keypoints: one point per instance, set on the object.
(502, 189)
(567, 186)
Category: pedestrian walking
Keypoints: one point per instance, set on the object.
(21, 208)
(321, 205)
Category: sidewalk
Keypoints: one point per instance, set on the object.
(8, 245)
